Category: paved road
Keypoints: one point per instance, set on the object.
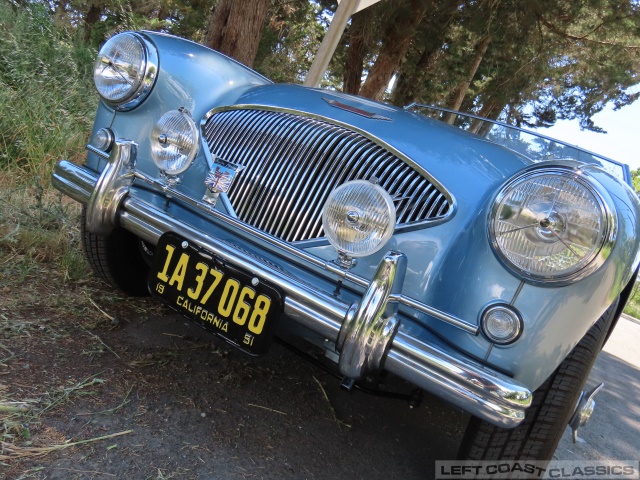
(614, 429)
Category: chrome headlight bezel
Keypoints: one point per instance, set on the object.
(606, 211)
(144, 81)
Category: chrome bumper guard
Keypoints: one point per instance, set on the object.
(366, 334)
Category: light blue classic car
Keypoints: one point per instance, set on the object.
(484, 267)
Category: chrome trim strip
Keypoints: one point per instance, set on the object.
(439, 314)
(356, 110)
(483, 392)
(98, 152)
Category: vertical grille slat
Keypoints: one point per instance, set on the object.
(292, 162)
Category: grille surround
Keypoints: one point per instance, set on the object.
(317, 154)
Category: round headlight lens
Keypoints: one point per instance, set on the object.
(549, 224)
(358, 218)
(174, 142)
(124, 70)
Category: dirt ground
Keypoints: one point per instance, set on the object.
(96, 386)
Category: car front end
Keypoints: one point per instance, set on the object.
(389, 240)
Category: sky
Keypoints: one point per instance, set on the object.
(621, 142)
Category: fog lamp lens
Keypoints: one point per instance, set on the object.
(174, 142)
(358, 218)
(501, 324)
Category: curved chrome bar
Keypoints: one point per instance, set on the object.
(111, 188)
(369, 327)
(483, 392)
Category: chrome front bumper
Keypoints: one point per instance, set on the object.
(367, 334)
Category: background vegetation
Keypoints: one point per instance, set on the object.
(527, 63)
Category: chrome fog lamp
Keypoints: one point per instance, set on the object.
(552, 225)
(125, 70)
(174, 142)
(501, 324)
(358, 218)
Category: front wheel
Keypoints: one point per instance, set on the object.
(121, 259)
(537, 437)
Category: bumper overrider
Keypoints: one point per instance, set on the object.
(366, 334)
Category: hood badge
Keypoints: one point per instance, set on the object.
(219, 179)
(356, 110)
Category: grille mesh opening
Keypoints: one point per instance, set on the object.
(293, 162)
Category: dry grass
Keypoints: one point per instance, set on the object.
(38, 226)
(19, 417)
(10, 451)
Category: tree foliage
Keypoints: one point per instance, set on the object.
(530, 63)
(635, 179)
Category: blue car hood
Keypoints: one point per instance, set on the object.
(465, 164)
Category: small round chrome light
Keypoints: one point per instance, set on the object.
(174, 142)
(358, 218)
(103, 139)
(501, 324)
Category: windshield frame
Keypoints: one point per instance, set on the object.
(415, 107)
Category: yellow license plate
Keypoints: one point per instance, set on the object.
(228, 301)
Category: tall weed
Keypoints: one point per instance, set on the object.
(47, 104)
(47, 99)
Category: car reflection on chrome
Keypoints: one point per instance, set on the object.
(486, 267)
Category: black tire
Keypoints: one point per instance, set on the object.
(537, 437)
(121, 259)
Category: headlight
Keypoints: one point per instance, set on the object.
(551, 225)
(125, 70)
(358, 218)
(174, 142)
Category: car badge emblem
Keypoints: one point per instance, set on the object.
(219, 179)
(356, 110)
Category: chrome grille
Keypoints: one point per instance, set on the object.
(293, 162)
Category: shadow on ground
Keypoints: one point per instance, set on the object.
(202, 410)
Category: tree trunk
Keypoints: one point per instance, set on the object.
(235, 28)
(491, 109)
(395, 45)
(434, 29)
(407, 83)
(459, 92)
(61, 12)
(90, 19)
(356, 52)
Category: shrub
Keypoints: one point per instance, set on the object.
(46, 91)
